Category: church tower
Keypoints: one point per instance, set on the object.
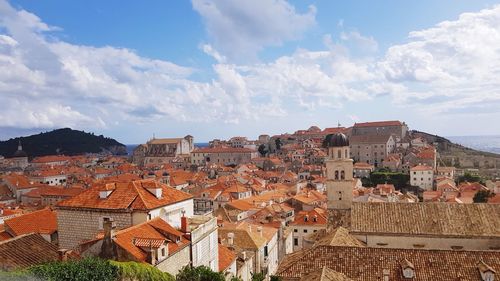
(339, 183)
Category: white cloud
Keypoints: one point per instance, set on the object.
(241, 28)
(452, 65)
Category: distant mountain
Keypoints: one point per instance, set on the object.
(62, 141)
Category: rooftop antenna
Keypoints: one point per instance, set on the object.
(338, 124)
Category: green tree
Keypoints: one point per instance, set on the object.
(263, 150)
(258, 277)
(200, 273)
(278, 143)
(482, 196)
(275, 278)
(469, 178)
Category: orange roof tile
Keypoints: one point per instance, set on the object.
(42, 221)
(226, 257)
(132, 195)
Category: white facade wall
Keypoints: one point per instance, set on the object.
(422, 179)
(301, 231)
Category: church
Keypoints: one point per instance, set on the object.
(162, 151)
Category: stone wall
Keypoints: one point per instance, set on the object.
(174, 263)
(75, 226)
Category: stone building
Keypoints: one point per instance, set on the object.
(20, 158)
(371, 149)
(397, 128)
(222, 156)
(154, 242)
(339, 183)
(161, 151)
(130, 203)
(422, 176)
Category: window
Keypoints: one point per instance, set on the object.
(295, 241)
(305, 230)
(162, 252)
(295, 230)
(265, 251)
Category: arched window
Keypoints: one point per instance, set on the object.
(346, 156)
(342, 175)
(339, 154)
(336, 175)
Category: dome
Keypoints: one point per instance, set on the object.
(338, 140)
(20, 153)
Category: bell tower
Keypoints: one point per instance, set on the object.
(339, 183)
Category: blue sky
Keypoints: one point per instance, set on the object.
(220, 68)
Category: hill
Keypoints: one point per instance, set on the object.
(62, 141)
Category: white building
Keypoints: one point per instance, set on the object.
(422, 176)
(204, 240)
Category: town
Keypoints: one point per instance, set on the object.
(372, 201)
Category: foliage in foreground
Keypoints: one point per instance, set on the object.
(88, 269)
(200, 273)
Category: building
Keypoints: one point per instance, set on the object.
(362, 169)
(397, 128)
(126, 203)
(25, 251)
(153, 242)
(339, 183)
(259, 241)
(349, 263)
(20, 158)
(162, 151)
(222, 156)
(43, 222)
(204, 244)
(422, 176)
(371, 149)
(306, 223)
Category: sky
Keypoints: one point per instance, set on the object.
(222, 68)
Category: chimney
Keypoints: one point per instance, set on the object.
(259, 230)
(62, 254)
(230, 239)
(184, 224)
(109, 227)
(108, 247)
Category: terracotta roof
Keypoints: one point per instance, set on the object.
(339, 237)
(325, 274)
(223, 150)
(156, 232)
(26, 250)
(226, 257)
(378, 124)
(367, 264)
(50, 159)
(421, 168)
(245, 235)
(300, 218)
(439, 219)
(126, 196)
(42, 221)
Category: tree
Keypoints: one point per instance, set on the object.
(482, 196)
(469, 178)
(258, 277)
(278, 143)
(263, 150)
(200, 273)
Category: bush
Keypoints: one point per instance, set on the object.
(139, 271)
(200, 273)
(81, 270)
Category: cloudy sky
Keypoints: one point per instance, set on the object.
(219, 68)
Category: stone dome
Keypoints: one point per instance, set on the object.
(338, 140)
